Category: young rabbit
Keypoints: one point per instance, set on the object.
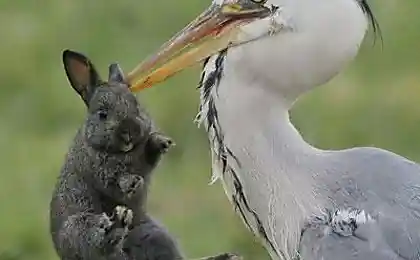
(98, 207)
(103, 184)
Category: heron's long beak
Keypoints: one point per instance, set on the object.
(214, 30)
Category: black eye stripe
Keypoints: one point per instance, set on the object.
(260, 2)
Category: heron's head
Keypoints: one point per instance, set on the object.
(219, 27)
(253, 28)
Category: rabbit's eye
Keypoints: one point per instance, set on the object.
(102, 114)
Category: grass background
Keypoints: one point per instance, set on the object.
(373, 102)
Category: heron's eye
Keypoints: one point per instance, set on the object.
(260, 2)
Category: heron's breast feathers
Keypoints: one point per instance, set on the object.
(225, 165)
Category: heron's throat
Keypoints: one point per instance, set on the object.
(247, 116)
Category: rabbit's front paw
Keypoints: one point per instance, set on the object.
(121, 219)
(162, 142)
(130, 184)
(122, 216)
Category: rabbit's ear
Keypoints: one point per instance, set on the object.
(116, 74)
(81, 74)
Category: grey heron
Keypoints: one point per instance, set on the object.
(302, 202)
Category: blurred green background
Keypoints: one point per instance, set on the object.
(373, 102)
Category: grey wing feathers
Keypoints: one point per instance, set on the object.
(349, 234)
(387, 187)
(320, 243)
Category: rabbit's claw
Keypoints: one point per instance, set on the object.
(122, 216)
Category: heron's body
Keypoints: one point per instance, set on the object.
(277, 181)
(302, 202)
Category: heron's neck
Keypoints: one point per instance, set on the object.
(277, 168)
(254, 115)
(255, 125)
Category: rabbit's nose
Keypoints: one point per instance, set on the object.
(126, 137)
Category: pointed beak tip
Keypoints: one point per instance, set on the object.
(209, 33)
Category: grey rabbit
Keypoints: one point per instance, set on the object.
(98, 207)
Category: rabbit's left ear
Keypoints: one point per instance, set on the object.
(115, 73)
(81, 73)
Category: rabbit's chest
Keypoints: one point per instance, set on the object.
(119, 164)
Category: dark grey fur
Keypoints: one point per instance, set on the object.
(109, 164)
(98, 207)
